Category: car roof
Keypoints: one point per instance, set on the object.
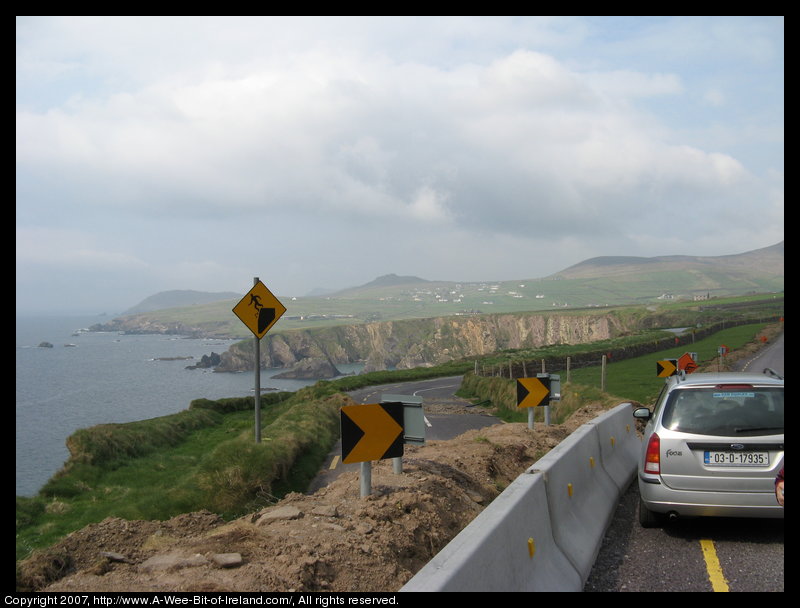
(711, 379)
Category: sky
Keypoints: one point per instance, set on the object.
(159, 153)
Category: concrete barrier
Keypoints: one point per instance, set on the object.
(619, 444)
(509, 546)
(580, 494)
(544, 531)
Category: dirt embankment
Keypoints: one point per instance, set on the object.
(332, 540)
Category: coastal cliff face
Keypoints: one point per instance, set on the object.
(420, 342)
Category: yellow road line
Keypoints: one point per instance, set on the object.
(718, 582)
(334, 462)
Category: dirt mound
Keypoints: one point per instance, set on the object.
(332, 540)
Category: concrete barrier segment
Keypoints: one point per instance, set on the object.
(508, 547)
(619, 444)
(581, 496)
(544, 531)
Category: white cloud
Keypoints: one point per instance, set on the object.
(429, 205)
(349, 134)
(714, 97)
(68, 249)
(303, 134)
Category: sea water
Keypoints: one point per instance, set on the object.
(90, 378)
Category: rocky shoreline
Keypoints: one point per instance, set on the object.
(308, 368)
(315, 353)
(207, 362)
(140, 325)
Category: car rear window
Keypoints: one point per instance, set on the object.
(730, 410)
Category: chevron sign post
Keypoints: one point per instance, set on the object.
(666, 368)
(533, 392)
(538, 391)
(371, 431)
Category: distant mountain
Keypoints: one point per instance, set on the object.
(179, 298)
(767, 261)
(387, 280)
(596, 282)
(320, 292)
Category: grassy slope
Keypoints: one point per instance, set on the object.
(589, 284)
(632, 379)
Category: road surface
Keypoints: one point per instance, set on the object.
(749, 552)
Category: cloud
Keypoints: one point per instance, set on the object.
(69, 249)
(158, 140)
(343, 134)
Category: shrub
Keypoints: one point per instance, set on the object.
(239, 474)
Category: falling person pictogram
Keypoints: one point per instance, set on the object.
(265, 315)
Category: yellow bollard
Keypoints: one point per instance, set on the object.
(531, 547)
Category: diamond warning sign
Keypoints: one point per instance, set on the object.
(259, 310)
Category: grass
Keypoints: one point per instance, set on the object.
(438, 299)
(217, 466)
(636, 378)
(632, 379)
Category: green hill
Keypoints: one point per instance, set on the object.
(178, 298)
(595, 283)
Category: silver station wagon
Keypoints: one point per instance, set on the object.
(713, 445)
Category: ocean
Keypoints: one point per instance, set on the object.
(90, 378)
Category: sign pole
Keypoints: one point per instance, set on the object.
(366, 478)
(259, 310)
(257, 343)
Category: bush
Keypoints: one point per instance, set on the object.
(239, 474)
(28, 510)
(106, 444)
(238, 404)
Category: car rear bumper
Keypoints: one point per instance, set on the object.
(691, 503)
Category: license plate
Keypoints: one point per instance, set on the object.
(736, 459)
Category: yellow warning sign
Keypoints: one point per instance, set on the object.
(666, 368)
(371, 431)
(532, 392)
(259, 310)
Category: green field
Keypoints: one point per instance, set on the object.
(631, 379)
(595, 285)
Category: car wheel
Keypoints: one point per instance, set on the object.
(648, 518)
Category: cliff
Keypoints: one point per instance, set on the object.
(421, 342)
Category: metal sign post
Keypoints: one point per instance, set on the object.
(413, 423)
(259, 310)
(257, 401)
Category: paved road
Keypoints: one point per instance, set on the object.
(632, 558)
(750, 552)
(772, 356)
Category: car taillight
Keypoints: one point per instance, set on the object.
(652, 458)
